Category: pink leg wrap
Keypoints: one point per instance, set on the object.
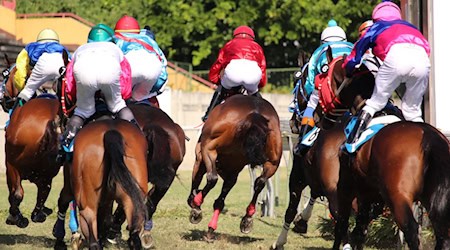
(251, 210)
(198, 199)
(213, 223)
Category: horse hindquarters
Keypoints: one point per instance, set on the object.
(129, 190)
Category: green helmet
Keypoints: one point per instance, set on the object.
(101, 33)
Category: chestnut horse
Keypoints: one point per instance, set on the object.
(30, 151)
(405, 162)
(243, 130)
(166, 143)
(109, 163)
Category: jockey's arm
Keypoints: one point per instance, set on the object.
(22, 67)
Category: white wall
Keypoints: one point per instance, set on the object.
(186, 109)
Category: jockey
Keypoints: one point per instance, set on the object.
(241, 62)
(405, 54)
(97, 65)
(335, 37)
(44, 59)
(148, 62)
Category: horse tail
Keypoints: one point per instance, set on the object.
(159, 162)
(437, 173)
(118, 173)
(49, 140)
(254, 130)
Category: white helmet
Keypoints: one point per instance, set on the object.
(333, 33)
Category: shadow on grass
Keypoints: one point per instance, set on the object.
(197, 235)
(38, 241)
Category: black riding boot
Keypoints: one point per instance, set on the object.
(73, 126)
(127, 114)
(19, 102)
(300, 149)
(361, 125)
(216, 99)
(257, 94)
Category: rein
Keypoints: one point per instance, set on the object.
(299, 89)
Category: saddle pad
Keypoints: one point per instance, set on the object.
(310, 137)
(375, 125)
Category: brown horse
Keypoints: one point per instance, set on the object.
(405, 162)
(244, 130)
(31, 148)
(319, 169)
(166, 143)
(109, 163)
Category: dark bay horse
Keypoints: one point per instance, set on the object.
(30, 150)
(404, 162)
(109, 163)
(243, 130)
(166, 143)
(319, 169)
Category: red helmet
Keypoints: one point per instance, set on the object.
(127, 24)
(244, 30)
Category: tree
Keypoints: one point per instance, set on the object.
(194, 31)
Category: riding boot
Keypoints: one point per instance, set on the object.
(127, 114)
(73, 126)
(257, 94)
(361, 125)
(216, 99)
(19, 102)
(300, 149)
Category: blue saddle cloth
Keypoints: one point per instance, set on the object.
(375, 125)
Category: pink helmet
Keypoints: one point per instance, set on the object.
(244, 30)
(386, 11)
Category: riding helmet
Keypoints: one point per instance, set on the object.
(386, 11)
(101, 33)
(333, 33)
(47, 35)
(244, 30)
(127, 24)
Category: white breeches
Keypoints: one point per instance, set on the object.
(242, 72)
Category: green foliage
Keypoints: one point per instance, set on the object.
(194, 31)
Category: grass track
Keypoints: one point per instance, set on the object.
(172, 229)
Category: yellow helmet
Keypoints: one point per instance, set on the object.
(47, 35)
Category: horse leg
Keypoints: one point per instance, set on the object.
(115, 230)
(197, 175)
(219, 204)
(247, 221)
(362, 223)
(15, 197)
(64, 199)
(341, 219)
(301, 220)
(296, 187)
(402, 208)
(135, 222)
(40, 212)
(88, 221)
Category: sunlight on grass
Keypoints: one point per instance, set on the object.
(172, 229)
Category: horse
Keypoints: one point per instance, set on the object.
(319, 169)
(404, 162)
(166, 142)
(109, 163)
(31, 140)
(243, 130)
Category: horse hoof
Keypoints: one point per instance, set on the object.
(246, 224)
(275, 247)
(196, 216)
(114, 236)
(209, 237)
(17, 220)
(147, 240)
(300, 227)
(38, 216)
(47, 211)
(75, 241)
(60, 245)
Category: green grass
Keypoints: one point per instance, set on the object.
(172, 229)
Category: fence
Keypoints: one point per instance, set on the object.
(279, 77)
